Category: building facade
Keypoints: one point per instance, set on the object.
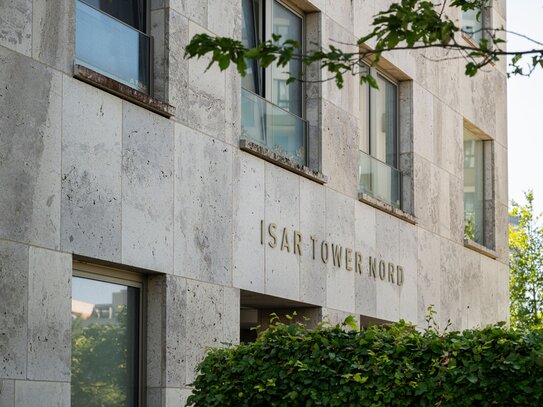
(157, 208)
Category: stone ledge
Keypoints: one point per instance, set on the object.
(281, 161)
(470, 244)
(376, 203)
(123, 91)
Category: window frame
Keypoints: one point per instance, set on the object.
(488, 244)
(375, 71)
(148, 99)
(485, 19)
(130, 279)
(268, 30)
(368, 119)
(266, 77)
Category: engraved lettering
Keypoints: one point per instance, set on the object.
(391, 272)
(358, 262)
(348, 259)
(373, 267)
(324, 251)
(399, 275)
(271, 231)
(297, 242)
(313, 241)
(337, 251)
(284, 240)
(382, 269)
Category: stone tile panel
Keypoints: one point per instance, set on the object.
(13, 310)
(91, 172)
(33, 393)
(282, 207)
(365, 242)
(429, 274)
(203, 207)
(312, 224)
(49, 320)
(30, 101)
(16, 25)
(54, 33)
(451, 281)
(7, 393)
(248, 212)
(340, 231)
(147, 189)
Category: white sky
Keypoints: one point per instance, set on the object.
(525, 107)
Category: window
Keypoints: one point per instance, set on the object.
(472, 24)
(106, 339)
(111, 40)
(379, 171)
(272, 110)
(474, 188)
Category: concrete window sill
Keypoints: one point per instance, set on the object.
(281, 161)
(126, 92)
(391, 210)
(470, 244)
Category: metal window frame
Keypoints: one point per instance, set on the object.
(116, 276)
(371, 108)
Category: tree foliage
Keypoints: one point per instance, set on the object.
(290, 365)
(406, 24)
(526, 264)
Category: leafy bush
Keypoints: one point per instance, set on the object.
(290, 365)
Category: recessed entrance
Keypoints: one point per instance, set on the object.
(256, 312)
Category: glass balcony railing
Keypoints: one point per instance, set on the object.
(272, 127)
(379, 180)
(112, 48)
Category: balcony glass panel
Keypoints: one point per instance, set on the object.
(268, 125)
(379, 180)
(112, 48)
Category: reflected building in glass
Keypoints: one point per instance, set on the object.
(151, 209)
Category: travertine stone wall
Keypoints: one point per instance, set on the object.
(85, 174)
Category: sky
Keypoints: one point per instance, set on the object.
(525, 107)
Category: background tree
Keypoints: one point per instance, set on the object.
(526, 264)
(99, 370)
(405, 25)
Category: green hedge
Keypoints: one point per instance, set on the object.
(290, 365)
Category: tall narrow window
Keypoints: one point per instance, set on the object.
(472, 23)
(111, 40)
(106, 325)
(272, 108)
(474, 188)
(379, 173)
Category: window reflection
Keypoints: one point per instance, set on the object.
(105, 344)
(474, 204)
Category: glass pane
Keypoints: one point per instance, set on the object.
(289, 26)
(384, 139)
(471, 26)
(131, 12)
(272, 127)
(251, 33)
(364, 141)
(379, 180)
(112, 48)
(105, 344)
(473, 188)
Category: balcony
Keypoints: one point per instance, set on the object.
(112, 48)
(380, 180)
(273, 128)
